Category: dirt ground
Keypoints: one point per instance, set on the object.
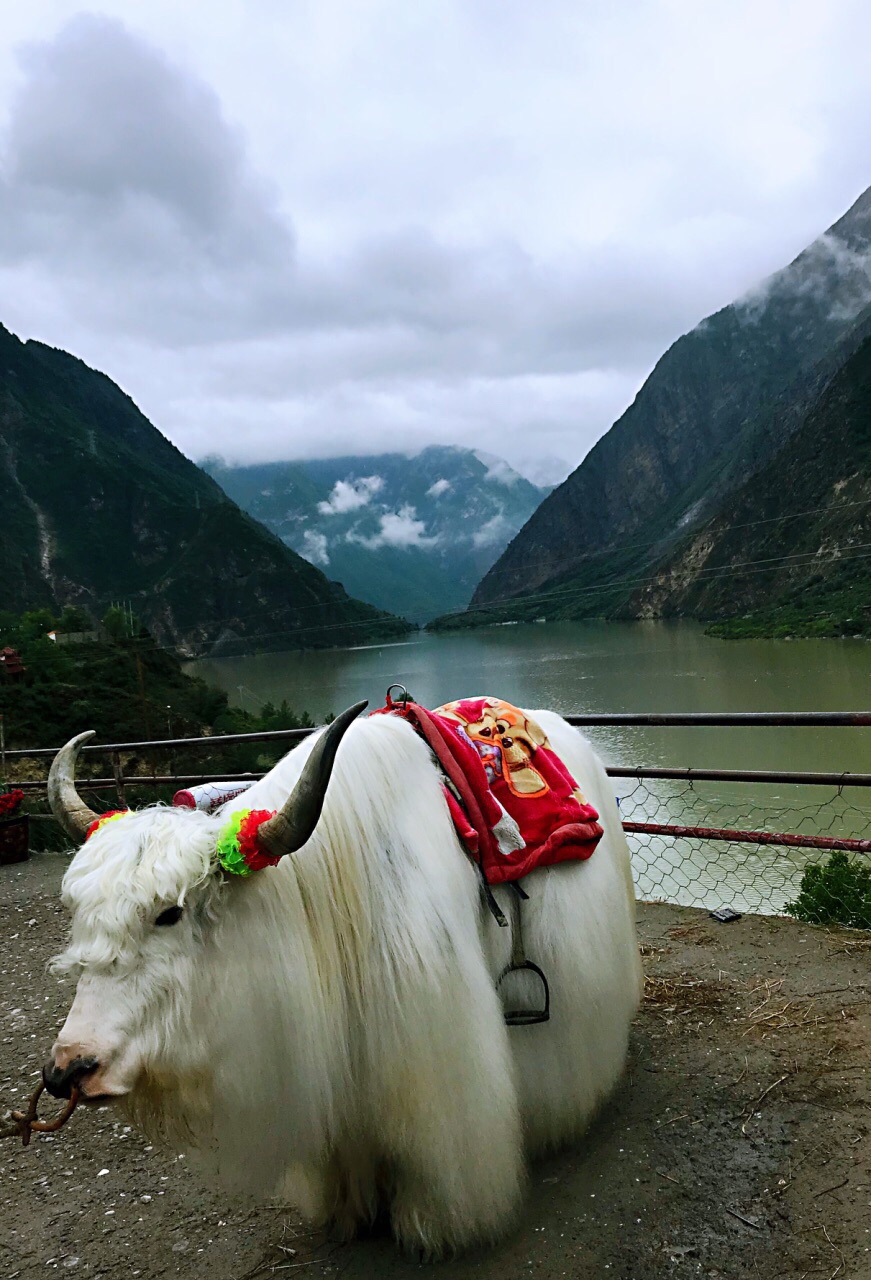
(737, 1145)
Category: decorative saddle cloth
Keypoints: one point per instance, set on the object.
(513, 802)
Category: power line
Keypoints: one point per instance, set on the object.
(565, 594)
(618, 547)
(569, 560)
(557, 594)
(566, 560)
(741, 569)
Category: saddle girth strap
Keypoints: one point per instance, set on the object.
(454, 772)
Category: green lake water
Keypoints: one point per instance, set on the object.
(651, 666)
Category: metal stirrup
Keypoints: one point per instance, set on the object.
(518, 963)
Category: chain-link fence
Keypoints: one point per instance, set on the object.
(757, 840)
(706, 838)
(686, 866)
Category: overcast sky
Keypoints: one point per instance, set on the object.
(297, 229)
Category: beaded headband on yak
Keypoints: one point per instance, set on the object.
(240, 850)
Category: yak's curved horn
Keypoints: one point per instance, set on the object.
(292, 826)
(66, 804)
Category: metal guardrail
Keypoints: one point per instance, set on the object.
(707, 846)
(724, 719)
(147, 780)
(731, 836)
(821, 719)
(208, 740)
(721, 719)
(798, 777)
(119, 781)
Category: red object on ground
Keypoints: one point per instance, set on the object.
(11, 665)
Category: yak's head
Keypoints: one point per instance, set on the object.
(143, 893)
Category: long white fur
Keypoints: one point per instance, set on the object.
(331, 1026)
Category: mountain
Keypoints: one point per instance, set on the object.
(790, 548)
(721, 402)
(98, 507)
(413, 534)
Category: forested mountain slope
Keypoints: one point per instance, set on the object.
(99, 507)
(792, 546)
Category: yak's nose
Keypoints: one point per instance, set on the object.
(59, 1081)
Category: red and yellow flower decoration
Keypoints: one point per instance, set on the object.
(109, 816)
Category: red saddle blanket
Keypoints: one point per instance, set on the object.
(513, 802)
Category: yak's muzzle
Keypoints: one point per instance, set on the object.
(59, 1081)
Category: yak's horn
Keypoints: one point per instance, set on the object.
(294, 823)
(67, 805)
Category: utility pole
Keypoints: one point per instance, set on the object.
(142, 699)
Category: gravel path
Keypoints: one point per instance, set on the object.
(737, 1146)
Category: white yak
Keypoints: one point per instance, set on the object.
(329, 1029)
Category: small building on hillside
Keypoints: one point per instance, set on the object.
(79, 637)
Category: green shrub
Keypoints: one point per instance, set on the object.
(128, 690)
(836, 892)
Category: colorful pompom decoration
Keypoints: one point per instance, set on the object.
(110, 816)
(239, 849)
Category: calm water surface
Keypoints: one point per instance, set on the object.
(589, 667)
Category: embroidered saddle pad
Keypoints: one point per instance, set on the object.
(513, 802)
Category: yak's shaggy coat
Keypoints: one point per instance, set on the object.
(331, 1026)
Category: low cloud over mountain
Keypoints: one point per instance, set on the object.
(418, 530)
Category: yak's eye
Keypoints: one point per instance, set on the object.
(171, 915)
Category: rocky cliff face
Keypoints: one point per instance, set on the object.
(715, 409)
(792, 545)
(98, 507)
(412, 534)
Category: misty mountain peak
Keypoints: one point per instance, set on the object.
(419, 530)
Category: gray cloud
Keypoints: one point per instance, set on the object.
(477, 226)
(830, 270)
(351, 495)
(120, 168)
(315, 548)
(396, 529)
(497, 471)
(497, 530)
